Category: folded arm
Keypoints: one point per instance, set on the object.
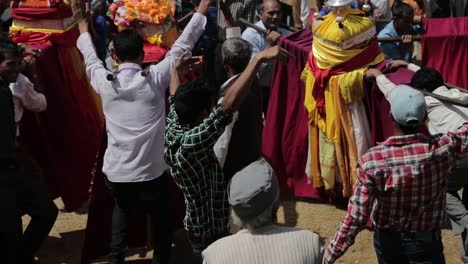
(23, 89)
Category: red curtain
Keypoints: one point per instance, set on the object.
(66, 138)
(285, 135)
(445, 48)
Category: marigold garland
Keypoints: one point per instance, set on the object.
(156, 12)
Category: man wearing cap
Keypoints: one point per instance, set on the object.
(441, 118)
(253, 195)
(401, 188)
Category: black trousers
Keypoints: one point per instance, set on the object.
(154, 197)
(21, 193)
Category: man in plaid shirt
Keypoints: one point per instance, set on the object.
(401, 187)
(192, 131)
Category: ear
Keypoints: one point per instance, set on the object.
(114, 56)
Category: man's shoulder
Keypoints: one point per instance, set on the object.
(388, 31)
(250, 33)
(374, 158)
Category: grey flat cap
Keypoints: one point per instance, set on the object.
(253, 189)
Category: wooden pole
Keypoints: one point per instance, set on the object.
(444, 99)
(398, 39)
(248, 24)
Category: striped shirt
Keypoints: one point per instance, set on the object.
(189, 153)
(401, 186)
(245, 9)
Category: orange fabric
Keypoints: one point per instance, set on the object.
(346, 150)
(418, 11)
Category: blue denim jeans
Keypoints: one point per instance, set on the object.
(394, 248)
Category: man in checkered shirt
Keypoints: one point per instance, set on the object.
(401, 188)
(192, 130)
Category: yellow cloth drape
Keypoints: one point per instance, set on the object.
(334, 133)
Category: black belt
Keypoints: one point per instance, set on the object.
(430, 235)
(433, 235)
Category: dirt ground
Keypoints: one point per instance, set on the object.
(65, 240)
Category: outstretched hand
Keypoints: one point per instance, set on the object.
(83, 19)
(395, 64)
(372, 73)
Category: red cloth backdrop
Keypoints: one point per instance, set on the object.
(445, 48)
(65, 139)
(285, 136)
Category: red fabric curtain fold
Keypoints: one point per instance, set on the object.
(34, 13)
(445, 48)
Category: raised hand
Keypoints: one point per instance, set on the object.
(274, 53)
(203, 6)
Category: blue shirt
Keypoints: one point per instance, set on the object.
(259, 40)
(393, 50)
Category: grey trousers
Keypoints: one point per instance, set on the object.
(456, 209)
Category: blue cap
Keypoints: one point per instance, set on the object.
(408, 106)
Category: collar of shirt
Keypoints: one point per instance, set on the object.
(129, 68)
(227, 84)
(404, 140)
(389, 30)
(280, 30)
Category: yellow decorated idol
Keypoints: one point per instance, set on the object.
(343, 47)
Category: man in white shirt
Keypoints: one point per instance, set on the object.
(134, 109)
(241, 143)
(442, 118)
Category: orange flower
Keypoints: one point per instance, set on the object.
(129, 18)
(130, 11)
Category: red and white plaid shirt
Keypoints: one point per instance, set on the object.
(401, 185)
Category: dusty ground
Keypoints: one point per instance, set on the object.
(65, 240)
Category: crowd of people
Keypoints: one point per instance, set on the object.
(210, 142)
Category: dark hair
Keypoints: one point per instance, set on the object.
(407, 129)
(9, 48)
(191, 100)
(401, 10)
(128, 45)
(236, 54)
(427, 79)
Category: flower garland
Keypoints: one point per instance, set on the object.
(155, 12)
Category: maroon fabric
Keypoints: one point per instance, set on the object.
(445, 48)
(65, 139)
(377, 106)
(285, 136)
(322, 76)
(29, 13)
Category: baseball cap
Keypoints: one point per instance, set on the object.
(253, 189)
(407, 105)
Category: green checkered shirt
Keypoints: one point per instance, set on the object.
(189, 152)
